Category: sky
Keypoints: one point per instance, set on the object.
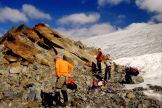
(79, 18)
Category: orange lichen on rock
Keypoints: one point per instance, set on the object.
(21, 49)
(31, 34)
(44, 31)
(3, 61)
(11, 58)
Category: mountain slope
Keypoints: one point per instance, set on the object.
(137, 39)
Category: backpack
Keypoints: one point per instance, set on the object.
(70, 81)
(133, 71)
(95, 83)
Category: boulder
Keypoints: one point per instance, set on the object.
(15, 68)
(137, 79)
(22, 49)
(11, 58)
(130, 95)
(4, 86)
(25, 63)
(40, 58)
(2, 59)
(31, 34)
(51, 38)
(82, 54)
(34, 37)
(8, 94)
(45, 62)
(79, 44)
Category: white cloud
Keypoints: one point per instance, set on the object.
(154, 6)
(112, 2)
(96, 29)
(13, 15)
(150, 5)
(157, 17)
(34, 13)
(79, 18)
(120, 19)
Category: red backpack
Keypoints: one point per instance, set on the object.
(95, 83)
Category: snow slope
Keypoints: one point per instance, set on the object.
(136, 39)
(151, 66)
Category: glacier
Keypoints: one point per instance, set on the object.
(136, 39)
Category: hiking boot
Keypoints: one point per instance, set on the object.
(65, 103)
(64, 93)
(57, 99)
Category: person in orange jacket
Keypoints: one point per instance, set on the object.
(63, 69)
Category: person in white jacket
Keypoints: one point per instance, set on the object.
(108, 64)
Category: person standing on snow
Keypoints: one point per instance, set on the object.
(63, 70)
(99, 60)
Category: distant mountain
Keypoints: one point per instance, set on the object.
(136, 39)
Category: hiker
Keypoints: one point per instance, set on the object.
(130, 71)
(108, 63)
(99, 60)
(63, 71)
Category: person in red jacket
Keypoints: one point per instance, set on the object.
(99, 60)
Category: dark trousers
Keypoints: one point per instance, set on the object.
(61, 87)
(94, 68)
(128, 78)
(99, 66)
(107, 73)
(57, 97)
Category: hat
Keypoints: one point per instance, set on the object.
(58, 56)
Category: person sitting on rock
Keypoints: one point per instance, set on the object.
(99, 60)
(94, 85)
(108, 64)
(63, 70)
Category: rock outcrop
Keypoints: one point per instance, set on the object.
(27, 62)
